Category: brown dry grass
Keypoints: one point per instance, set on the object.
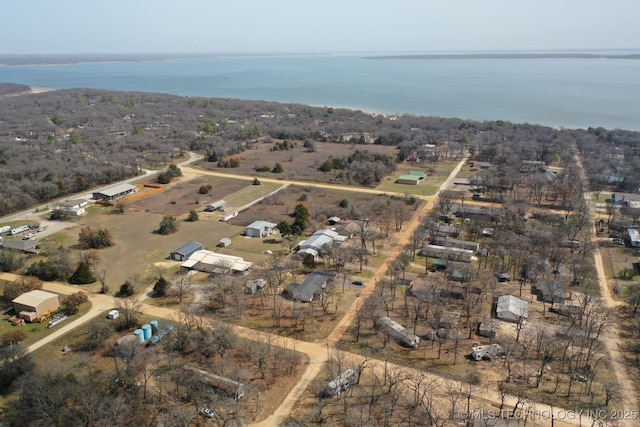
(298, 163)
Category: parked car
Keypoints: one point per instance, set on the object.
(357, 283)
(206, 412)
(42, 228)
(29, 236)
(618, 242)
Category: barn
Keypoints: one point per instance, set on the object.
(115, 192)
(37, 301)
(185, 251)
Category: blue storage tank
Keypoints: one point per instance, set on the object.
(154, 326)
(140, 334)
(147, 331)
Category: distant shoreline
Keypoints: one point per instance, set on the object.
(64, 60)
(509, 56)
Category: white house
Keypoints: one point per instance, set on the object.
(260, 229)
(75, 207)
(317, 240)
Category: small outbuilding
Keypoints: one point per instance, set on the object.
(219, 206)
(185, 251)
(409, 179)
(224, 242)
(36, 301)
(260, 229)
(489, 327)
(254, 286)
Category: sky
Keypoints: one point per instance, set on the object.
(302, 26)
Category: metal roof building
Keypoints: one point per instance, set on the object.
(512, 309)
(37, 301)
(260, 229)
(114, 192)
(185, 251)
(21, 245)
(214, 262)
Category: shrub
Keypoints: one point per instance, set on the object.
(126, 289)
(13, 337)
(256, 181)
(193, 216)
(343, 203)
(163, 178)
(45, 270)
(11, 260)
(24, 284)
(82, 275)
(71, 303)
(94, 238)
(277, 168)
(168, 225)
(262, 168)
(161, 286)
(204, 189)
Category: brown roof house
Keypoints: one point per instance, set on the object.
(39, 302)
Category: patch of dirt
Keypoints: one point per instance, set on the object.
(181, 196)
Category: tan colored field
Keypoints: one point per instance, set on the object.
(298, 163)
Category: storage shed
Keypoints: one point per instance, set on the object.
(489, 327)
(512, 309)
(260, 229)
(185, 251)
(224, 242)
(409, 179)
(37, 301)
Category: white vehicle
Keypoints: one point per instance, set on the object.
(113, 314)
(29, 236)
(18, 230)
(4, 229)
(42, 228)
(206, 412)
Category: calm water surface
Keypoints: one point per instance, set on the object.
(554, 92)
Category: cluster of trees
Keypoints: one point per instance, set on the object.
(94, 238)
(146, 385)
(362, 167)
(71, 140)
(171, 172)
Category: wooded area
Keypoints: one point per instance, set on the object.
(57, 143)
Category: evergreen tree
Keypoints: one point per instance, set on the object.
(82, 275)
(160, 288)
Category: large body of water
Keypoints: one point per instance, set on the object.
(575, 93)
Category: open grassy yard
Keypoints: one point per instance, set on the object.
(299, 163)
(436, 175)
(179, 198)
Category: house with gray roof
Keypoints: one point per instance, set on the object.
(260, 229)
(310, 287)
(313, 245)
(28, 246)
